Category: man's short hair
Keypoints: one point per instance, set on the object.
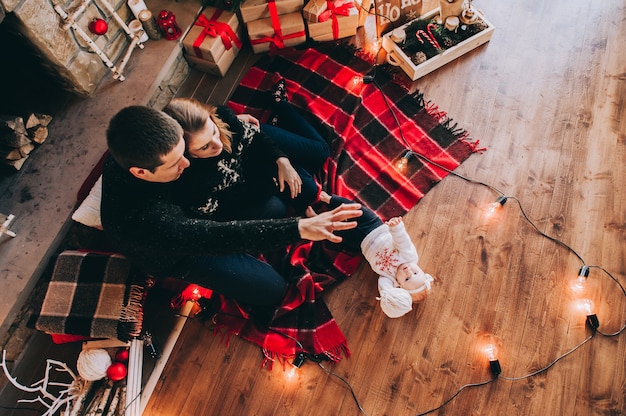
(139, 136)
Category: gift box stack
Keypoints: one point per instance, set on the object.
(331, 19)
(273, 23)
(213, 41)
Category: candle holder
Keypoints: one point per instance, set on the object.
(167, 22)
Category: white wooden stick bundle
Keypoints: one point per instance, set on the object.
(133, 379)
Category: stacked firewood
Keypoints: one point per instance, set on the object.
(19, 136)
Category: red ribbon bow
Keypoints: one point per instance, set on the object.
(332, 11)
(214, 29)
(278, 39)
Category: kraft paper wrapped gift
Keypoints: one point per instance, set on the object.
(263, 34)
(258, 9)
(334, 28)
(316, 8)
(312, 10)
(214, 33)
(216, 68)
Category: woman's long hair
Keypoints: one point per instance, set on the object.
(192, 115)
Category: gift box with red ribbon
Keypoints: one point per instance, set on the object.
(252, 10)
(338, 20)
(312, 10)
(216, 68)
(215, 38)
(278, 31)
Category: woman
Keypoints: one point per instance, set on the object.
(240, 170)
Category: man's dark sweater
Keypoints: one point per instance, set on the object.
(143, 223)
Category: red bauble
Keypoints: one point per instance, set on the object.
(116, 371)
(121, 356)
(98, 26)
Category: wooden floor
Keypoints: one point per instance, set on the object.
(547, 97)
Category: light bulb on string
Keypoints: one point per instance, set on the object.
(491, 352)
(402, 164)
(588, 307)
(295, 365)
(578, 285)
(291, 373)
(494, 207)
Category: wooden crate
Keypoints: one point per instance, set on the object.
(397, 57)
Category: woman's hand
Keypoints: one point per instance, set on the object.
(247, 118)
(287, 175)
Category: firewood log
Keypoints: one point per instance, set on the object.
(16, 164)
(10, 153)
(12, 123)
(34, 120)
(13, 138)
(38, 134)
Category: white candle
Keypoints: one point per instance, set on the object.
(137, 29)
(136, 6)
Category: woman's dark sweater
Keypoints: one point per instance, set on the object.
(217, 187)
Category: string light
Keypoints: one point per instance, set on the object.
(299, 360)
(578, 285)
(491, 352)
(494, 207)
(402, 164)
(588, 307)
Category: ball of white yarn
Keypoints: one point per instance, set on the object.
(93, 363)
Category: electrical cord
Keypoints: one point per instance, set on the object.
(346, 383)
(319, 363)
(449, 399)
(534, 373)
(541, 370)
(313, 358)
(614, 333)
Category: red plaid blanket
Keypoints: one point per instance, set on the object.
(326, 83)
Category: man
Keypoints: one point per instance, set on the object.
(142, 221)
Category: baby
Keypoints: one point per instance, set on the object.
(391, 254)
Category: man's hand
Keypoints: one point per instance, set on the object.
(321, 226)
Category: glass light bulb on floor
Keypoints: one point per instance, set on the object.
(491, 352)
(587, 306)
(579, 284)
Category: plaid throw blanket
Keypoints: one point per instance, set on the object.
(325, 83)
(303, 322)
(90, 294)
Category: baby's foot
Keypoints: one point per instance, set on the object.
(324, 197)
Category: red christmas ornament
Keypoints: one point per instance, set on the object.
(121, 355)
(98, 26)
(116, 371)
